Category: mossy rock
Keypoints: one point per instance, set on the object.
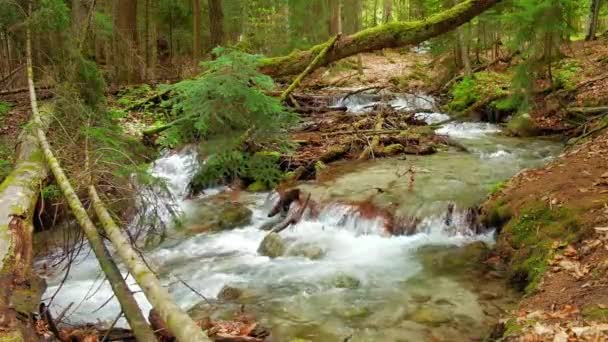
(272, 246)
(430, 316)
(496, 215)
(453, 260)
(229, 293)
(214, 217)
(307, 250)
(345, 281)
(392, 150)
(595, 313)
(522, 125)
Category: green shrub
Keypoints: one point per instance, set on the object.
(566, 75)
(261, 169)
(480, 86)
(4, 108)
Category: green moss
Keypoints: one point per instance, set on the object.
(480, 86)
(497, 215)
(595, 313)
(567, 75)
(532, 235)
(5, 107)
(512, 327)
(13, 336)
(257, 186)
(497, 187)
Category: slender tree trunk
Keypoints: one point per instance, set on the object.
(464, 52)
(335, 21)
(178, 322)
(216, 23)
(196, 30)
(388, 36)
(151, 37)
(375, 14)
(129, 306)
(387, 11)
(593, 19)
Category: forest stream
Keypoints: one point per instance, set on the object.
(342, 275)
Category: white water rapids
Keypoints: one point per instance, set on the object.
(294, 295)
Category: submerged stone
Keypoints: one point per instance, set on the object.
(229, 293)
(344, 281)
(272, 246)
(429, 315)
(306, 250)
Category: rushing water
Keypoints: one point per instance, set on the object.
(397, 288)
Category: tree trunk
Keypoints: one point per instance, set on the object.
(335, 22)
(386, 36)
(387, 11)
(125, 15)
(150, 37)
(593, 19)
(196, 30)
(129, 306)
(18, 197)
(216, 23)
(178, 322)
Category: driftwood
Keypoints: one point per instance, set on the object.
(369, 151)
(291, 219)
(588, 110)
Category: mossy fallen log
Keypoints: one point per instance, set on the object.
(389, 35)
(18, 197)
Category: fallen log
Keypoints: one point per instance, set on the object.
(129, 306)
(291, 219)
(177, 321)
(391, 35)
(18, 197)
(310, 68)
(588, 110)
(369, 151)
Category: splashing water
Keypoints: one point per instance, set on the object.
(342, 274)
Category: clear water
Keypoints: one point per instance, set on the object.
(401, 295)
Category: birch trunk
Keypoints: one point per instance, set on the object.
(178, 322)
(129, 306)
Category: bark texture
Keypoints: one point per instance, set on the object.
(129, 306)
(18, 197)
(389, 35)
(178, 322)
(216, 23)
(593, 19)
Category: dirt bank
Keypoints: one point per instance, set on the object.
(555, 245)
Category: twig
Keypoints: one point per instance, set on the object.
(105, 337)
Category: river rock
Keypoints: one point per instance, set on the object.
(429, 315)
(214, 217)
(344, 281)
(307, 250)
(453, 260)
(272, 246)
(229, 293)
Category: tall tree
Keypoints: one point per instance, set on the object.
(196, 29)
(216, 23)
(387, 11)
(335, 21)
(125, 41)
(593, 19)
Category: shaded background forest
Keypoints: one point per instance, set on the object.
(158, 40)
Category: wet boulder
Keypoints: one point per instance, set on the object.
(272, 246)
(453, 260)
(215, 217)
(345, 281)
(229, 293)
(307, 250)
(430, 315)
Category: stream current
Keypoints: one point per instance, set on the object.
(361, 283)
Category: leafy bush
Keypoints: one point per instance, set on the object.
(261, 168)
(566, 75)
(463, 94)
